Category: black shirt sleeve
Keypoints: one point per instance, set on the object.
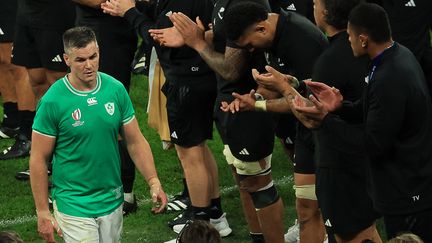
(141, 23)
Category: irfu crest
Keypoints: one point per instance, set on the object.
(109, 107)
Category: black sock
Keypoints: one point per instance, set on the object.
(26, 123)
(201, 213)
(257, 237)
(127, 168)
(185, 188)
(11, 116)
(215, 208)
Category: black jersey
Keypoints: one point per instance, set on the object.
(337, 67)
(297, 44)
(411, 22)
(398, 116)
(46, 14)
(178, 63)
(303, 7)
(8, 7)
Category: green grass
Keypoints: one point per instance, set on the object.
(17, 211)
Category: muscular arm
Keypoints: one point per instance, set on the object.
(140, 152)
(229, 65)
(41, 150)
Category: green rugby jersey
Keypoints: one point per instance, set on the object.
(86, 162)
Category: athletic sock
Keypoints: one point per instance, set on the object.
(127, 168)
(129, 197)
(27, 118)
(215, 208)
(11, 116)
(201, 213)
(257, 237)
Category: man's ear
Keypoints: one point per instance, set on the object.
(66, 59)
(364, 40)
(261, 27)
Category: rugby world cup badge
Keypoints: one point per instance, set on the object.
(76, 115)
(109, 107)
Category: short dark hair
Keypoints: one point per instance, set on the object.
(240, 16)
(10, 237)
(199, 231)
(371, 19)
(78, 37)
(338, 11)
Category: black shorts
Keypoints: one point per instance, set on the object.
(345, 205)
(190, 110)
(250, 135)
(418, 223)
(39, 48)
(304, 156)
(8, 10)
(286, 130)
(117, 45)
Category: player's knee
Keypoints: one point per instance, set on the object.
(265, 197)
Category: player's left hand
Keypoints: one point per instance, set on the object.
(273, 80)
(245, 102)
(159, 198)
(169, 37)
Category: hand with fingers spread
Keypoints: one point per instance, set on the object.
(329, 97)
(245, 102)
(193, 33)
(47, 225)
(169, 37)
(309, 112)
(273, 80)
(159, 197)
(117, 7)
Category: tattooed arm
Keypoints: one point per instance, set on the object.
(229, 65)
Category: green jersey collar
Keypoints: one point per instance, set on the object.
(83, 93)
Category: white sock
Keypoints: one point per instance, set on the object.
(129, 197)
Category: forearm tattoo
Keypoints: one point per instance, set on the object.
(229, 65)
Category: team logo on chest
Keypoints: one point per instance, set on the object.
(92, 101)
(109, 107)
(76, 115)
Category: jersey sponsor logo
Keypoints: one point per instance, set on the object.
(244, 152)
(1, 32)
(280, 63)
(291, 7)
(92, 101)
(174, 135)
(194, 69)
(110, 108)
(410, 3)
(76, 115)
(327, 223)
(267, 57)
(57, 59)
(416, 198)
(220, 13)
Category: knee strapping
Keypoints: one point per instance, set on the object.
(265, 197)
(305, 192)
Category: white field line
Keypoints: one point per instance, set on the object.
(223, 190)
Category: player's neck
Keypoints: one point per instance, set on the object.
(376, 49)
(81, 85)
(332, 31)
